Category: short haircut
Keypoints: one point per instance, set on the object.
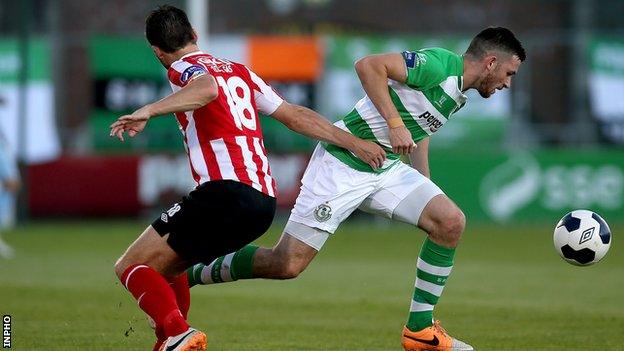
(495, 39)
(168, 28)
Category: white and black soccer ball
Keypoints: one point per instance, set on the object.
(582, 237)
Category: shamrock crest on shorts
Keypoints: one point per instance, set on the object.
(322, 213)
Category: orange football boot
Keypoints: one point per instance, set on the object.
(190, 340)
(433, 338)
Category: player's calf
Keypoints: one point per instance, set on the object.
(154, 294)
(283, 266)
(286, 260)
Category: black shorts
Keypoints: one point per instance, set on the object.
(216, 218)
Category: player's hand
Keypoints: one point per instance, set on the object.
(401, 140)
(370, 153)
(133, 124)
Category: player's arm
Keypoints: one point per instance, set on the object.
(198, 92)
(374, 71)
(420, 158)
(307, 122)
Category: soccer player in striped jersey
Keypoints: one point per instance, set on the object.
(216, 103)
(409, 97)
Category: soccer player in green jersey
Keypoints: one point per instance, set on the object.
(409, 97)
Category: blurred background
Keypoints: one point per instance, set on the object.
(553, 142)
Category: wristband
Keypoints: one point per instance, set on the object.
(395, 122)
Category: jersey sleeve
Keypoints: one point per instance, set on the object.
(267, 99)
(424, 69)
(181, 72)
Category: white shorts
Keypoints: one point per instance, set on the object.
(331, 191)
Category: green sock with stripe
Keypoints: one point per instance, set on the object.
(233, 266)
(434, 266)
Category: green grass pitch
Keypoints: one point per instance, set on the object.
(509, 291)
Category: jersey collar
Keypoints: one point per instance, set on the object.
(198, 52)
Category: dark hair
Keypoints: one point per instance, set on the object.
(168, 28)
(495, 38)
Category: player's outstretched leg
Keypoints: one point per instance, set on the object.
(286, 260)
(231, 267)
(444, 222)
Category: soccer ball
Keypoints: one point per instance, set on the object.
(582, 237)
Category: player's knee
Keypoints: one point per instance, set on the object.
(120, 267)
(453, 226)
(289, 272)
(290, 269)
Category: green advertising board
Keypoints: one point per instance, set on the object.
(126, 76)
(531, 185)
(38, 62)
(35, 119)
(606, 85)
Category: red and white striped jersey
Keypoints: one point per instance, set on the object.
(223, 139)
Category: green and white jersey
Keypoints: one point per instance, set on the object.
(431, 94)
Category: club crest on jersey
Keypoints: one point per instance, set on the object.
(322, 213)
(192, 71)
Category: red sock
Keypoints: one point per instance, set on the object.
(180, 287)
(155, 297)
(160, 337)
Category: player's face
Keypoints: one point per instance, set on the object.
(498, 76)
